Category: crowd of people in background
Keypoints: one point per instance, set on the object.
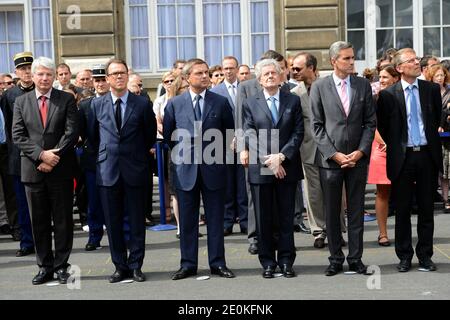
(86, 141)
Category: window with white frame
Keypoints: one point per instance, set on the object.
(24, 26)
(423, 25)
(161, 31)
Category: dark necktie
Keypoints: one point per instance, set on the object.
(118, 114)
(197, 110)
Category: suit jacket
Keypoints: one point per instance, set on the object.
(61, 132)
(7, 104)
(257, 120)
(308, 148)
(88, 158)
(393, 127)
(223, 91)
(179, 119)
(333, 131)
(126, 154)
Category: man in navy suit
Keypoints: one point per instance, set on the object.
(236, 200)
(124, 130)
(187, 118)
(273, 125)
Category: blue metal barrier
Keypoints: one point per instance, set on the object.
(162, 198)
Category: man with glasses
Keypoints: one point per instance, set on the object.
(236, 201)
(6, 82)
(123, 129)
(409, 114)
(425, 63)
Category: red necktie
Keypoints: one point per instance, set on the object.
(43, 110)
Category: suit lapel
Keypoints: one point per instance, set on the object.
(35, 114)
(282, 105)
(129, 109)
(109, 107)
(334, 92)
(352, 93)
(263, 105)
(51, 106)
(422, 95)
(400, 95)
(207, 106)
(189, 106)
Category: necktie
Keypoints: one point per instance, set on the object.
(197, 110)
(43, 110)
(344, 97)
(2, 128)
(118, 114)
(231, 90)
(273, 110)
(415, 131)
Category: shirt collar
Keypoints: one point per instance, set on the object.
(337, 80)
(407, 84)
(47, 95)
(124, 98)
(276, 95)
(227, 84)
(193, 94)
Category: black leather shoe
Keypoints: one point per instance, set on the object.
(62, 275)
(319, 243)
(404, 265)
(427, 265)
(227, 231)
(92, 247)
(288, 271)
(42, 277)
(118, 276)
(5, 229)
(333, 269)
(16, 235)
(224, 272)
(357, 267)
(268, 272)
(138, 276)
(183, 273)
(24, 252)
(302, 228)
(253, 248)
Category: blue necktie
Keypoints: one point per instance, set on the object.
(2, 128)
(273, 110)
(415, 131)
(197, 110)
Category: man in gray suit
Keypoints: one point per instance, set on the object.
(236, 200)
(343, 124)
(304, 70)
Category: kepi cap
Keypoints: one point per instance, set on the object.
(98, 71)
(23, 59)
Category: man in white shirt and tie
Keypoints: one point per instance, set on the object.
(236, 201)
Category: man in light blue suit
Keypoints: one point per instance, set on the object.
(236, 200)
(124, 130)
(188, 118)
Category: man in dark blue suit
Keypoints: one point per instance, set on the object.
(188, 117)
(124, 130)
(273, 125)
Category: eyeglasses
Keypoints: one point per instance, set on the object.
(8, 82)
(140, 85)
(218, 75)
(116, 74)
(296, 69)
(412, 60)
(168, 81)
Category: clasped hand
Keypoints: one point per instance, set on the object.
(347, 160)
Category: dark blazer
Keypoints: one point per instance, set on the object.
(179, 114)
(333, 131)
(61, 132)
(393, 127)
(88, 159)
(223, 91)
(257, 117)
(126, 155)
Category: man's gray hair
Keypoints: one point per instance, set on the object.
(43, 62)
(337, 46)
(264, 63)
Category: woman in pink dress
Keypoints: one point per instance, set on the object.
(377, 167)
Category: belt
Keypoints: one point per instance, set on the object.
(417, 148)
